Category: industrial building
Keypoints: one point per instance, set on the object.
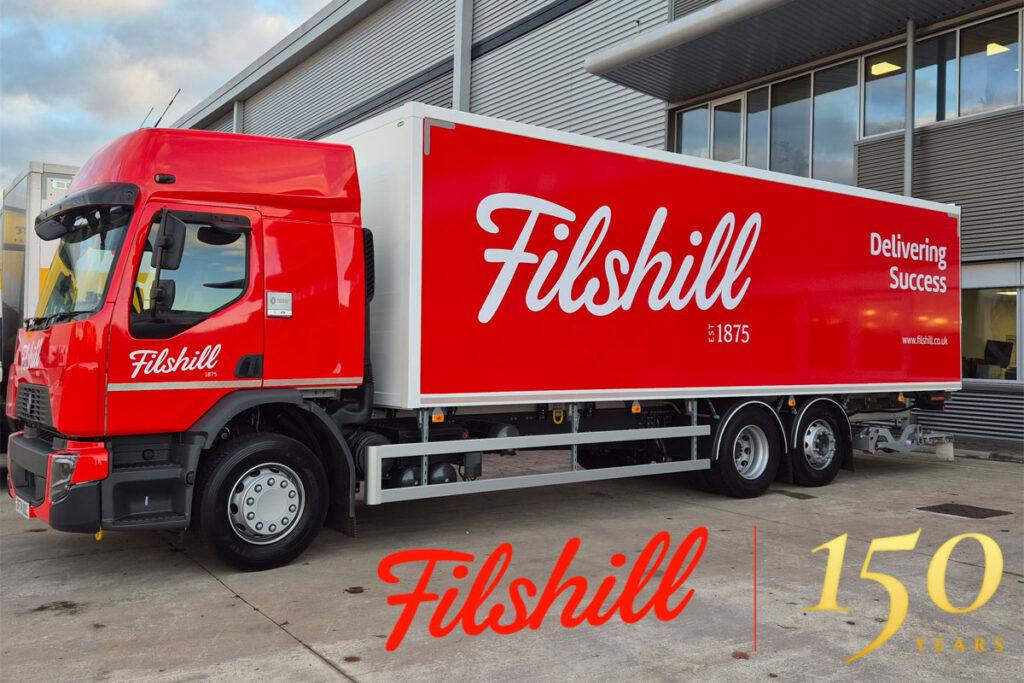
(815, 88)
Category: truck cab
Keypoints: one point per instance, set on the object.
(202, 283)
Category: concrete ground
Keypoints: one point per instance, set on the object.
(136, 607)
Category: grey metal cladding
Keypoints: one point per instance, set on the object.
(397, 41)
(491, 16)
(683, 7)
(981, 413)
(222, 125)
(976, 163)
(539, 78)
(879, 163)
(437, 92)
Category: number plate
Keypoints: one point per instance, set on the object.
(21, 505)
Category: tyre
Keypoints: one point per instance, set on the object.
(260, 500)
(817, 451)
(749, 453)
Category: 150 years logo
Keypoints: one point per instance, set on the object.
(899, 601)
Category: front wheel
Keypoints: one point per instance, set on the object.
(748, 455)
(260, 501)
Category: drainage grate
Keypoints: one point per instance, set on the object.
(968, 511)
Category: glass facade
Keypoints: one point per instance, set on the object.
(989, 333)
(757, 128)
(989, 65)
(935, 79)
(693, 132)
(791, 126)
(835, 123)
(885, 86)
(808, 125)
(727, 121)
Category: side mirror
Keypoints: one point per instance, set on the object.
(170, 242)
(161, 296)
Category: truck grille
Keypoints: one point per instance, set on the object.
(33, 404)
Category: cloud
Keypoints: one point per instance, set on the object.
(74, 75)
(78, 8)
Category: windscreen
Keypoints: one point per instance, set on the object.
(77, 280)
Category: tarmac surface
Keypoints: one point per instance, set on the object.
(141, 607)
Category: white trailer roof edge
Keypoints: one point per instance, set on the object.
(651, 394)
(419, 110)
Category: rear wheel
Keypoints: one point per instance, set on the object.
(748, 454)
(817, 451)
(260, 501)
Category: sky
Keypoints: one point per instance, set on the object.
(75, 74)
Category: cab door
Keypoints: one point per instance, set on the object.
(172, 357)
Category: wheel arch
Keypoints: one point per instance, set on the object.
(309, 424)
(736, 408)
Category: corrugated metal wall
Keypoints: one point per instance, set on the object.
(437, 92)
(984, 414)
(980, 166)
(397, 41)
(539, 78)
(977, 164)
(879, 164)
(682, 7)
(490, 16)
(223, 124)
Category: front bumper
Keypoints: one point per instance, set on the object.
(78, 505)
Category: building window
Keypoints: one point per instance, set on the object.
(989, 61)
(693, 132)
(727, 123)
(808, 125)
(989, 333)
(885, 91)
(835, 123)
(791, 126)
(935, 79)
(757, 128)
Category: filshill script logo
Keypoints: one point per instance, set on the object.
(528, 603)
(30, 353)
(673, 285)
(150, 362)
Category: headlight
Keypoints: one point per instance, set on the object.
(62, 468)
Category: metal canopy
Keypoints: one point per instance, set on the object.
(734, 41)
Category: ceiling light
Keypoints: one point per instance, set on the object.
(882, 68)
(995, 48)
(1009, 293)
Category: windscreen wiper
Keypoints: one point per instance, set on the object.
(60, 316)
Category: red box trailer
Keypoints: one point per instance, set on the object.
(554, 267)
(240, 331)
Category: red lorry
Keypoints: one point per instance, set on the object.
(242, 333)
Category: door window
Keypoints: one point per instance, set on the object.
(213, 274)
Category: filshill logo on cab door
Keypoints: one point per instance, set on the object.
(149, 362)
